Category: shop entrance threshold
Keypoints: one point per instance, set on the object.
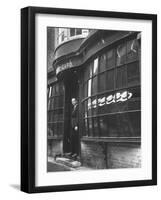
(69, 164)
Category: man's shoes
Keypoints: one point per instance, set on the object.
(75, 156)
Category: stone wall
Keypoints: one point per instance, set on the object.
(101, 155)
(55, 147)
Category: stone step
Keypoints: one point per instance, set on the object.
(68, 162)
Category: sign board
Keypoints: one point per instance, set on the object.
(63, 67)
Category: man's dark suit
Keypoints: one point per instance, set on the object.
(74, 134)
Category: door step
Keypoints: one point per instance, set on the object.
(68, 162)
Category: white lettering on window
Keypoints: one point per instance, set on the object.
(117, 97)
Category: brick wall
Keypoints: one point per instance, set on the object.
(55, 147)
(123, 155)
(110, 155)
(93, 155)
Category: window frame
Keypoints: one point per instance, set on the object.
(115, 67)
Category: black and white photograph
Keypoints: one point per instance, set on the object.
(89, 91)
(93, 99)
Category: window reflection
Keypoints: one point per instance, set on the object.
(89, 87)
(95, 67)
(132, 50)
(121, 54)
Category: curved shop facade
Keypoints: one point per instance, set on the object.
(103, 72)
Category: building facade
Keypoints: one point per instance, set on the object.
(101, 69)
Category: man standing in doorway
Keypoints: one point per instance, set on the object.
(74, 126)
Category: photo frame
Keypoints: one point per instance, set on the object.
(107, 64)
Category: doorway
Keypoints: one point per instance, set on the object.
(70, 144)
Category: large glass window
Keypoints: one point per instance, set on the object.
(55, 110)
(75, 31)
(112, 92)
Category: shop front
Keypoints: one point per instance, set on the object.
(102, 72)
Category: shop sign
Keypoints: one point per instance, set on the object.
(52, 80)
(117, 97)
(64, 67)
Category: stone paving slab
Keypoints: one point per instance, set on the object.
(68, 163)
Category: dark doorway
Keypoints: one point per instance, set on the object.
(71, 91)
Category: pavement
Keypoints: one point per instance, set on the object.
(54, 167)
(61, 164)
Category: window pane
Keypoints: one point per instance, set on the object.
(49, 102)
(135, 123)
(133, 73)
(86, 108)
(91, 66)
(61, 89)
(60, 101)
(106, 103)
(108, 126)
(78, 31)
(53, 90)
(89, 107)
(85, 132)
(57, 89)
(102, 63)
(101, 104)
(90, 127)
(85, 90)
(95, 127)
(121, 77)
(102, 82)
(89, 87)
(132, 50)
(59, 128)
(110, 80)
(50, 130)
(110, 103)
(60, 115)
(94, 85)
(54, 128)
(56, 103)
(95, 66)
(121, 98)
(122, 121)
(86, 73)
(72, 31)
(134, 102)
(94, 105)
(121, 54)
(55, 115)
(50, 88)
(110, 59)
(121, 125)
(50, 117)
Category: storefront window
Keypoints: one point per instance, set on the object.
(111, 58)
(110, 80)
(121, 77)
(55, 110)
(94, 85)
(132, 50)
(102, 63)
(113, 98)
(133, 73)
(102, 81)
(121, 54)
(95, 67)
